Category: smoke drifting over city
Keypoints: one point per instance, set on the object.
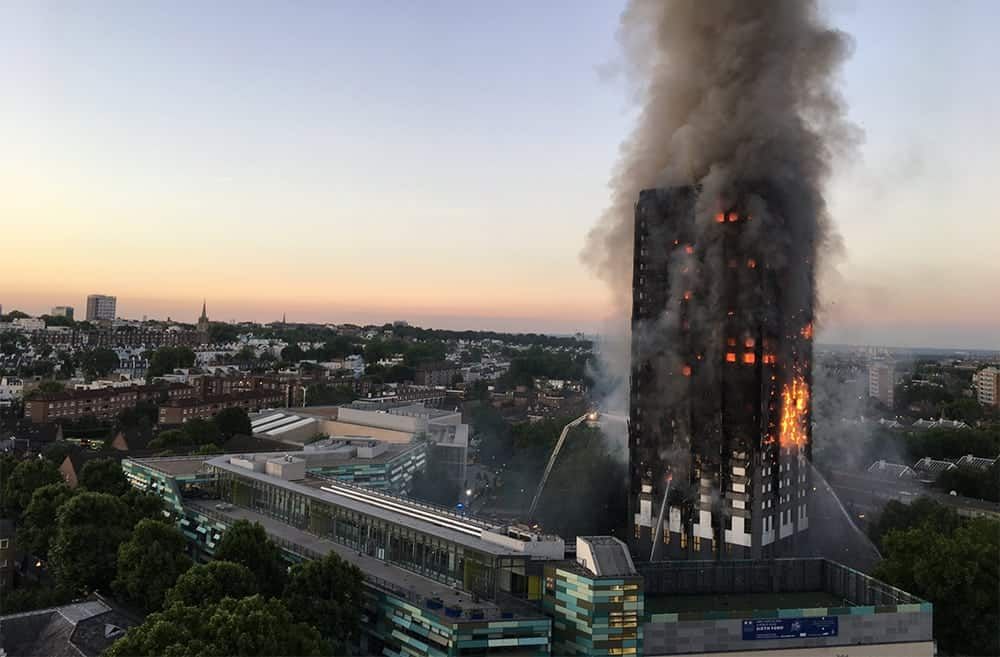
(729, 93)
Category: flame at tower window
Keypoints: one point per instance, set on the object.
(794, 412)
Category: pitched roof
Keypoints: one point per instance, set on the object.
(82, 628)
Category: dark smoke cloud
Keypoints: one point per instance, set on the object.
(728, 91)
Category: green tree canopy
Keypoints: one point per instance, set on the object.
(57, 452)
(248, 544)
(207, 584)
(28, 476)
(958, 573)
(166, 359)
(923, 511)
(246, 626)
(149, 564)
(202, 432)
(292, 353)
(50, 386)
(327, 594)
(38, 528)
(99, 362)
(233, 421)
(103, 476)
(89, 529)
(142, 505)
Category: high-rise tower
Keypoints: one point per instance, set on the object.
(719, 411)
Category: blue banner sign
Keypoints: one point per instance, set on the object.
(789, 628)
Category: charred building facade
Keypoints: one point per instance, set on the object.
(719, 410)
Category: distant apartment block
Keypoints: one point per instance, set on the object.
(881, 382)
(436, 374)
(29, 324)
(100, 307)
(11, 390)
(104, 404)
(180, 411)
(62, 311)
(988, 386)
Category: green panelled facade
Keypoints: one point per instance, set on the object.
(403, 629)
(593, 615)
(393, 626)
(391, 476)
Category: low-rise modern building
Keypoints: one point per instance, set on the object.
(443, 584)
(438, 583)
(387, 467)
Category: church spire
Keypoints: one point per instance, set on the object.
(204, 313)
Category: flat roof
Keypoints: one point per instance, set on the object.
(402, 582)
(401, 511)
(176, 465)
(392, 450)
(667, 603)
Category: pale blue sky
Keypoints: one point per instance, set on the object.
(442, 161)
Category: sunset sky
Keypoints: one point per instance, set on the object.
(441, 162)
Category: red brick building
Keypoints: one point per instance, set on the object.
(104, 404)
(182, 410)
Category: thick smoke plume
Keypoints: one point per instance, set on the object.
(740, 115)
(730, 91)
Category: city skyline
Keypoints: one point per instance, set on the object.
(322, 176)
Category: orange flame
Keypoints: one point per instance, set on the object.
(794, 416)
(720, 217)
(731, 357)
(749, 358)
(686, 370)
(807, 331)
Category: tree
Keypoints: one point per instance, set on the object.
(58, 320)
(921, 512)
(57, 452)
(233, 421)
(166, 359)
(247, 543)
(292, 353)
(149, 564)
(219, 332)
(99, 362)
(327, 594)
(207, 584)
(246, 626)
(89, 529)
(37, 529)
(958, 573)
(972, 482)
(17, 314)
(171, 439)
(202, 432)
(142, 506)
(104, 476)
(26, 478)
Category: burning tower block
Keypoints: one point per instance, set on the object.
(719, 417)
